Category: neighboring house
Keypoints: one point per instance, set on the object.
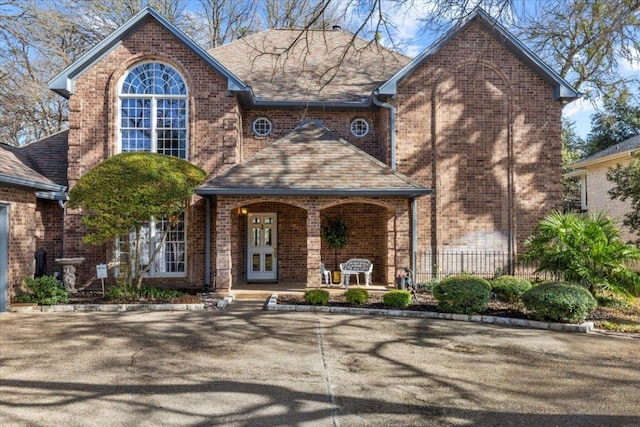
(594, 185)
(30, 215)
(456, 149)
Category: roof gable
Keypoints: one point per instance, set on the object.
(63, 83)
(312, 161)
(562, 90)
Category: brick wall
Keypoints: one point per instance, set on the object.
(338, 121)
(48, 235)
(598, 187)
(378, 230)
(22, 227)
(214, 132)
(481, 129)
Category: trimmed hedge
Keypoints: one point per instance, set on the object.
(559, 302)
(317, 296)
(357, 296)
(463, 294)
(509, 288)
(397, 299)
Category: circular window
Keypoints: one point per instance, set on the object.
(262, 126)
(359, 127)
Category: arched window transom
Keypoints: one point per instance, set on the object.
(153, 110)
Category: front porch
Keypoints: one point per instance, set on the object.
(264, 216)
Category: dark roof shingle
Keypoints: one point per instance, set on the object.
(320, 66)
(312, 160)
(626, 145)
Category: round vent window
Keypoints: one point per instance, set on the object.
(262, 126)
(359, 127)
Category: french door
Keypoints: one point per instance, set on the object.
(262, 246)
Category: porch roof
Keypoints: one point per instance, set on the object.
(312, 161)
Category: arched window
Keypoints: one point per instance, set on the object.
(153, 110)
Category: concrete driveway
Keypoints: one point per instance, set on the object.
(247, 367)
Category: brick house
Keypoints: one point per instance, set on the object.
(31, 191)
(456, 148)
(594, 185)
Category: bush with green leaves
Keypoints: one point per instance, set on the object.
(317, 297)
(509, 288)
(129, 292)
(397, 299)
(559, 302)
(587, 249)
(357, 296)
(463, 294)
(45, 290)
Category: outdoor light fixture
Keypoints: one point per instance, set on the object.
(242, 211)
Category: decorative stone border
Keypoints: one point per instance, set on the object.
(586, 327)
(105, 307)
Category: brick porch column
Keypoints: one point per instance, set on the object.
(313, 248)
(403, 238)
(223, 248)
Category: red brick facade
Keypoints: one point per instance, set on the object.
(474, 123)
(483, 131)
(33, 224)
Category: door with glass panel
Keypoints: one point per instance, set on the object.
(262, 247)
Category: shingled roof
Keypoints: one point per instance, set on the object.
(308, 66)
(312, 161)
(625, 147)
(48, 156)
(16, 171)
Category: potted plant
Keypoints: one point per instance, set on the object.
(336, 233)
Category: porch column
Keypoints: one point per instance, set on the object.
(223, 247)
(313, 248)
(403, 238)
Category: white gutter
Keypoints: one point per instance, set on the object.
(392, 125)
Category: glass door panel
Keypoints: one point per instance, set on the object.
(262, 247)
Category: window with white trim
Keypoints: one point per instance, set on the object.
(359, 127)
(171, 259)
(262, 126)
(153, 110)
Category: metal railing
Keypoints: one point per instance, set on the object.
(438, 265)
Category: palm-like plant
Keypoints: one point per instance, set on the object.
(585, 248)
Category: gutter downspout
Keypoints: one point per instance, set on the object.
(392, 125)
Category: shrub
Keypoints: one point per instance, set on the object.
(463, 294)
(121, 293)
(130, 292)
(559, 302)
(357, 296)
(317, 296)
(397, 299)
(509, 288)
(45, 290)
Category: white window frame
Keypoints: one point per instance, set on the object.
(584, 201)
(152, 273)
(357, 124)
(154, 108)
(255, 130)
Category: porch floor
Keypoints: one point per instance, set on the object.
(262, 291)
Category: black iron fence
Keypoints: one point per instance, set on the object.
(438, 265)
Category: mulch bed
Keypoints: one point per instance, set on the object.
(424, 301)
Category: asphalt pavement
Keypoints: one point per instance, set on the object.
(247, 367)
